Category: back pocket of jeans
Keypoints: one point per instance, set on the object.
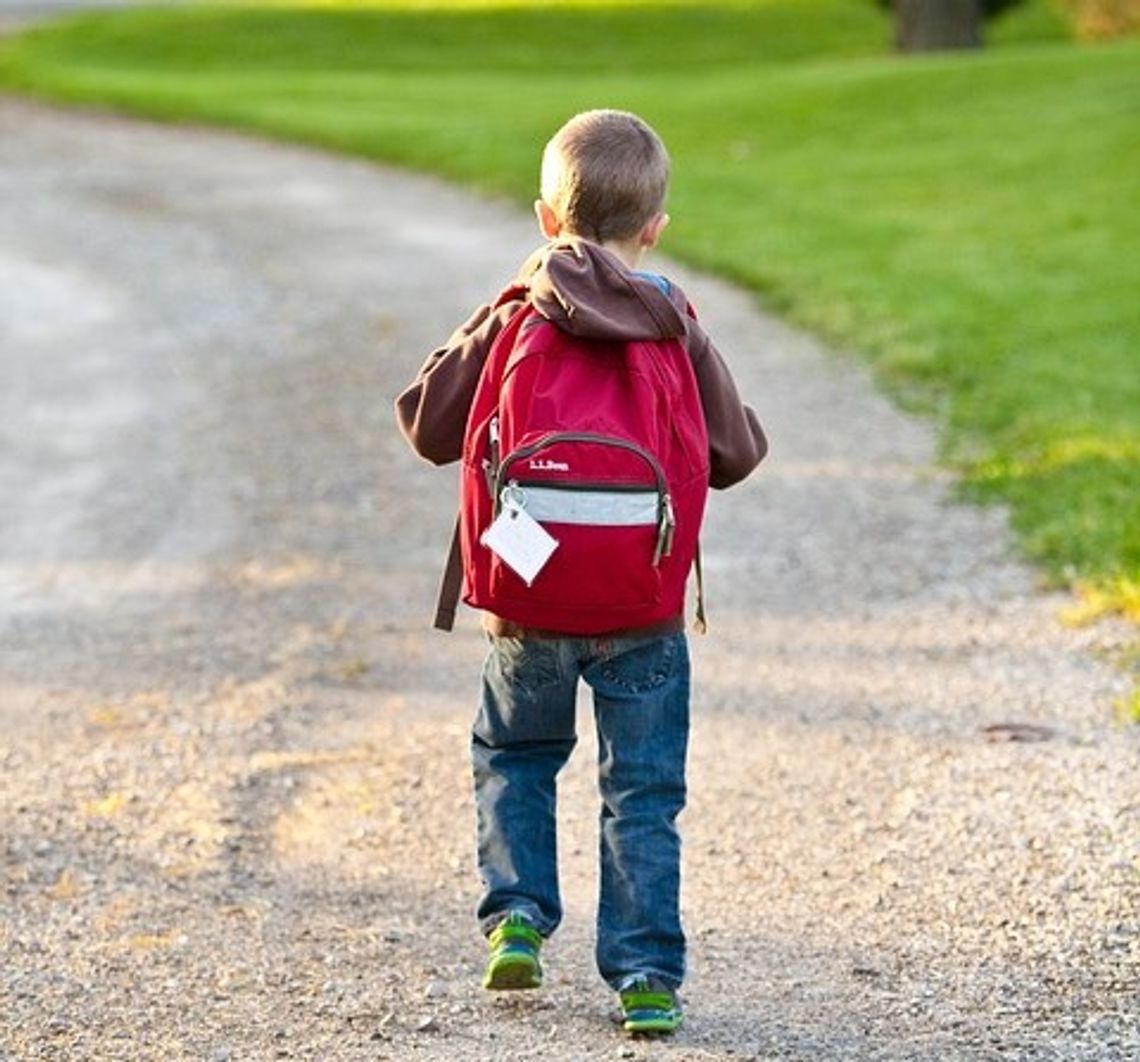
(527, 665)
(642, 667)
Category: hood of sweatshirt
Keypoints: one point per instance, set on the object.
(587, 291)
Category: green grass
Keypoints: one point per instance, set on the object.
(968, 222)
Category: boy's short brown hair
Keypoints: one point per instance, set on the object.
(604, 175)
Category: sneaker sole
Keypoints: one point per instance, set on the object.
(655, 1026)
(513, 973)
(652, 1026)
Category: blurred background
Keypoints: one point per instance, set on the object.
(947, 187)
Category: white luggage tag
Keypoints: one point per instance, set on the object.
(518, 540)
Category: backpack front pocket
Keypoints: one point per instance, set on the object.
(594, 567)
(605, 502)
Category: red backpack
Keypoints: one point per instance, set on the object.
(603, 444)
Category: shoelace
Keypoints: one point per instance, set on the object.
(639, 996)
(515, 933)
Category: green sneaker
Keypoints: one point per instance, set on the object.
(647, 1006)
(513, 962)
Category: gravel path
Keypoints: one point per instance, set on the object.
(233, 778)
(19, 14)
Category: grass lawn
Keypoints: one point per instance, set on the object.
(969, 222)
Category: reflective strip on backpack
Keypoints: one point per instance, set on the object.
(602, 508)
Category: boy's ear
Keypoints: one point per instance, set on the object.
(651, 233)
(547, 220)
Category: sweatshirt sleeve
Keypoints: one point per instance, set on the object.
(737, 443)
(432, 410)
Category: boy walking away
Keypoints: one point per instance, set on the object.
(591, 413)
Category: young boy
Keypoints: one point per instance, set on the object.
(603, 183)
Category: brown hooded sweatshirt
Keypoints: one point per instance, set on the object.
(586, 291)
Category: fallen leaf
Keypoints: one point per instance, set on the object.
(1018, 732)
(66, 887)
(108, 807)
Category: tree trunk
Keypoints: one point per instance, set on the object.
(930, 25)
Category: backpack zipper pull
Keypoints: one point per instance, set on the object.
(493, 436)
(491, 464)
(665, 528)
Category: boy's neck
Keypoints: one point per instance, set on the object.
(630, 252)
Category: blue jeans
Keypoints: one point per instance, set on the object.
(524, 734)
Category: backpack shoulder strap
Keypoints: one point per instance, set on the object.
(451, 584)
(701, 622)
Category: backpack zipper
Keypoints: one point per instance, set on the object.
(666, 520)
